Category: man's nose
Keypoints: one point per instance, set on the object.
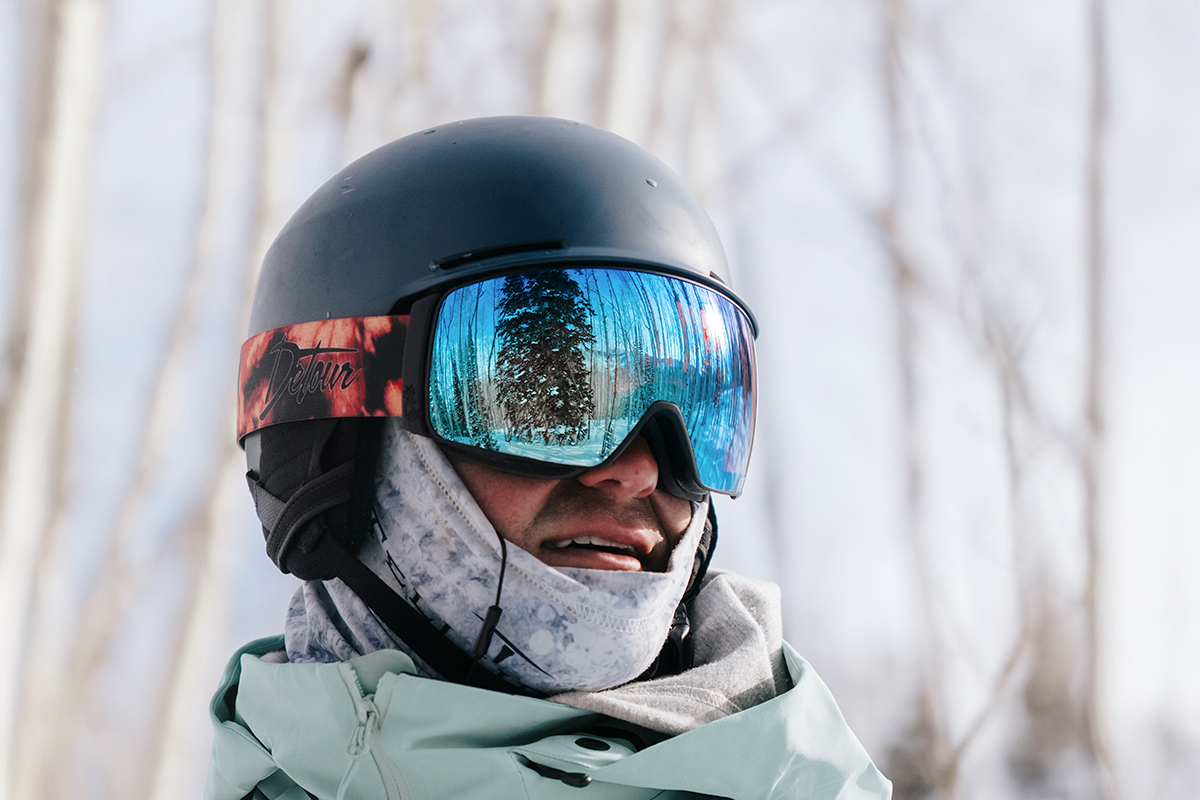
(634, 473)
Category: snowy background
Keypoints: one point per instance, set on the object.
(969, 231)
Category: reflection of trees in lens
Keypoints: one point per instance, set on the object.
(615, 381)
(469, 402)
(645, 379)
(458, 402)
(479, 422)
(604, 376)
(541, 377)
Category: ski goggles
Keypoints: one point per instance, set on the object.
(548, 372)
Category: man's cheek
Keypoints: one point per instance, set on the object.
(673, 514)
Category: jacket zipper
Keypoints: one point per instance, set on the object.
(369, 720)
(388, 771)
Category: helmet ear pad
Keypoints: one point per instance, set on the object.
(315, 479)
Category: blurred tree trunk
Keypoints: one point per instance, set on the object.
(60, 95)
(1093, 466)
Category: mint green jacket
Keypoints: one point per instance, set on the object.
(371, 728)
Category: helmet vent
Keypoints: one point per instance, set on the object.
(450, 262)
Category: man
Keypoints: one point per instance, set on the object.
(495, 371)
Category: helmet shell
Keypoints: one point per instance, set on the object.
(474, 197)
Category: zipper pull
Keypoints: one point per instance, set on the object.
(368, 716)
(368, 719)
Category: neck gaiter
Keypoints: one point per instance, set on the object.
(561, 629)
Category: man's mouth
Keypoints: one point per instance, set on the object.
(592, 543)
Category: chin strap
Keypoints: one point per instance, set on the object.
(413, 627)
(484, 640)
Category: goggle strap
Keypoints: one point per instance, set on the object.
(325, 369)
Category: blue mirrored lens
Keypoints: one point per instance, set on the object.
(559, 365)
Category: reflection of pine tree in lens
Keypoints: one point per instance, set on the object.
(542, 381)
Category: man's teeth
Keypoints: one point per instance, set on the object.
(589, 540)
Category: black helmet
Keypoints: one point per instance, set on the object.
(473, 197)
(447, 206)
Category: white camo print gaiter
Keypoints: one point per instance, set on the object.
(562, 629)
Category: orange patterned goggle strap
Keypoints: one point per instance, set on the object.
(316, 370)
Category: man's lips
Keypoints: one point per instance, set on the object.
(623, 550)
(595, 541)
